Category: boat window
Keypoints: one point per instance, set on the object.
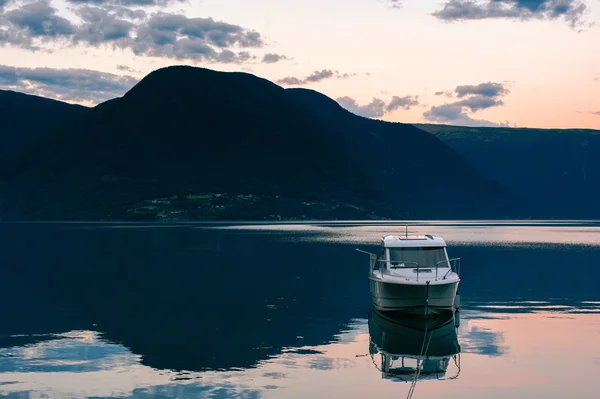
(424, 256)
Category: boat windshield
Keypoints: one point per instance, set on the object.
(423, 256)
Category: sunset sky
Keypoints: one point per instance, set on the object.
(525, 63)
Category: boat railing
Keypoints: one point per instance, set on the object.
(410, 365)
(373, 259)
(453, 265)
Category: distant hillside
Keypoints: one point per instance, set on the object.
(193, 143)
(556, 170)
(23, 118)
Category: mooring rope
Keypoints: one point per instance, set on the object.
(424, 350)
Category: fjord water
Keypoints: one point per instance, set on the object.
(283, 310)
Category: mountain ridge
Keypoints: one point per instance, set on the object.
(204, 144)
(555, 169)
(18, 129)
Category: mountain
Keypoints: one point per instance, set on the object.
(199, 144)
(23, 118)
(557, 170)
(137, 294)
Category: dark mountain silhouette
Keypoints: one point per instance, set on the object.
(557, 170)
(207, 144)
(24, 117)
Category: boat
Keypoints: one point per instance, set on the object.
(408, 348)
(413, 274)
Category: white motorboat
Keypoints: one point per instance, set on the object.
(414, 275)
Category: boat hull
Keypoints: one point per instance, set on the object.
(403, 335)
(413, 299)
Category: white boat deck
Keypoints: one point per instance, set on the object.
(410, 241)
(409, 276)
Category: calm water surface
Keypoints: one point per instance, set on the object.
(197, 310)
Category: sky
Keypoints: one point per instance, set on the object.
(521, 63)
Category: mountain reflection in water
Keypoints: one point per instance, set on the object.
(183, 311)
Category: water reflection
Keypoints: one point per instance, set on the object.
(408, 348)
(173, 296)
(86, 364)
(188, 312)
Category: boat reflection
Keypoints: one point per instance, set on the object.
(408, 348)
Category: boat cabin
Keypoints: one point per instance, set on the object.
(410, 251)
(419, 253)
(408, 368)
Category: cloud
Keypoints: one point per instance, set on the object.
(482, 341)
(80, 85)
(344, 75)
(317, 76)
(488, 89)
(139, 3)
(455, 114)
(291, 81)
(444, 113)
(394, 3)
(215, 33)
(179, 37)
(314, 77)
(377, 108)
(460, 10)
(596, 113)
(271, 58)
(477, 103)
(125, 68)
(374, 109)
(101, 26)
(39, 20)
(160, 34)
(405, 102)
(443, 93)
(474, 98)
(122, 12)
